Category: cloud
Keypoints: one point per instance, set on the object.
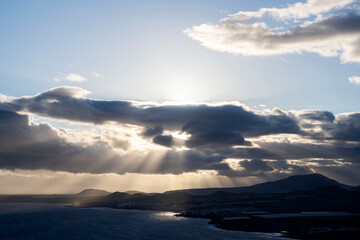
(316, 115)
(4, 98)
(345, 127)
(354, 80)
(95, 74)
(26, 145)
(303, 151)
(269, 169)
(73, 77)
(208, 124)
(266, 143)
(255, 165)
(297, 10)
(118, 143)
(64, 92)
(30, 146)
(336, 34)
(152, 131)
(325, 126)
(164, 140)
(211, 135)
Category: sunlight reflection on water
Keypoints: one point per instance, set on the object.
(167, 216)
(46, 221)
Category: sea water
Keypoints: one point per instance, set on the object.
(51, 221)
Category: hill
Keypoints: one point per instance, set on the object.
(92, 193)
(289, 184)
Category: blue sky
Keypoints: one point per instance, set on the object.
(140, 49)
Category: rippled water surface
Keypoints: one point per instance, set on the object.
(47, 221)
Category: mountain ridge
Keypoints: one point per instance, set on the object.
(289, 184)
(90, 192)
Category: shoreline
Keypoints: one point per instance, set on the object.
(297, 228)
(284, 227)
(211, 225)
(337, 226)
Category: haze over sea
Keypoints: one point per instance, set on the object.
(50, 221)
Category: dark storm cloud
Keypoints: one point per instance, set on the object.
(255, 165)
(25, 145)
(15, 130)
(327, 28)
(31, 146)
(342, 127)
(208, 125)
(152, 131)
(317, 115)
(164, 140)
(211, 135)
(213, 132)
(346, 127)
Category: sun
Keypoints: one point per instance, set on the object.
(183, 92)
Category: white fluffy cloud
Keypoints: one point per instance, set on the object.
(334, 32)
(73, 77)
(354, 80)
(293, 11)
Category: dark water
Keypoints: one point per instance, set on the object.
(47, 221)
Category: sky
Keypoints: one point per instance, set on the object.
(161, 95)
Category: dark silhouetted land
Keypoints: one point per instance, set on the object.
(305, 206)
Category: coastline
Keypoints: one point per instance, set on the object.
(297, 228)
(286, 228)
(41, 220)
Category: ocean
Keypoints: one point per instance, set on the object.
(52, 221)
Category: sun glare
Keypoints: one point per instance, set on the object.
(182, 91)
